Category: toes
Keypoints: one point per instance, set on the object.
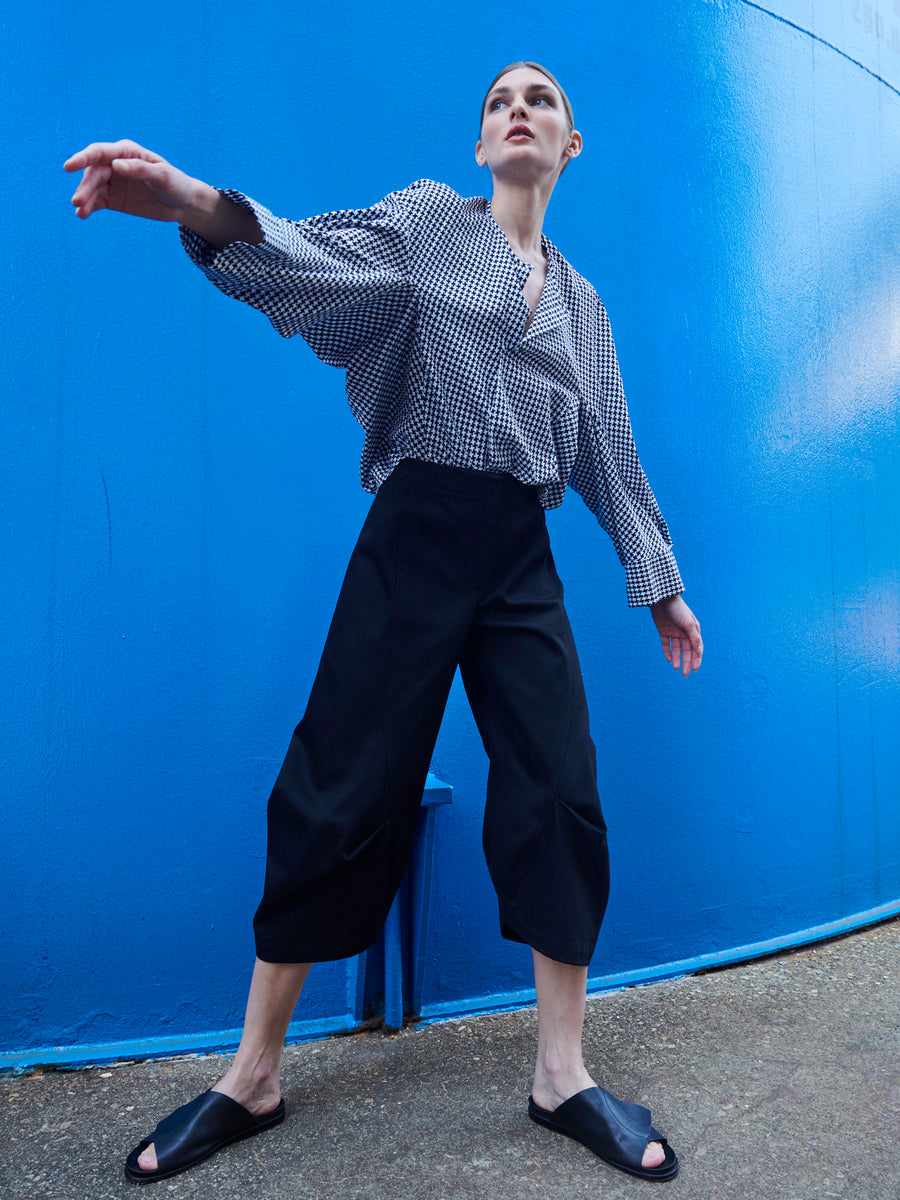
(147, 1159)
(654, 1155)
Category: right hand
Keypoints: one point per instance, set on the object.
(125, 177)
(679, 632)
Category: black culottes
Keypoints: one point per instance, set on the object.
(453, 567)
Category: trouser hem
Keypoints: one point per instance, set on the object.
(309, 952)
(572, 954)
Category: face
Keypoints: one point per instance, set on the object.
(525, 132)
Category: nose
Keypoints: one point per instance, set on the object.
(518, 110)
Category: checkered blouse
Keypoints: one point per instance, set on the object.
(419, 298)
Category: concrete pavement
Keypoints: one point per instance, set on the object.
(778, 1079)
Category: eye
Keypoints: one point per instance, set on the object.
(495, 104)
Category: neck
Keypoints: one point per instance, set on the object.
(519, 211)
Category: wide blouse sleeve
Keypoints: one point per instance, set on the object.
(339, 279)
(609, 478)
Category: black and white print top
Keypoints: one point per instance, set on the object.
(419, 298)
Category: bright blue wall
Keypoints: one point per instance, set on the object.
(182, 492)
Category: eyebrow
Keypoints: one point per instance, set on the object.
(532, 87)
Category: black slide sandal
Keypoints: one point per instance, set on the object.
(195, 1131)
(616, 1131)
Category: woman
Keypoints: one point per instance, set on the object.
(481, 367)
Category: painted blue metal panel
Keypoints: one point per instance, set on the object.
(407, 958)
(181, 488)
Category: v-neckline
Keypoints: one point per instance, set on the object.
(532, 312)
(521, 262)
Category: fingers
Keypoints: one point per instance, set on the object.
(92, 190)
(684, 653)
(694, 648)
(99, 161)
(691, 654)
(687, 659)
(671, 648)
(679, 656)
(103, 153)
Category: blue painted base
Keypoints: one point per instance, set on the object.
(217, 1041)
(506, 1001)
(225, 1040)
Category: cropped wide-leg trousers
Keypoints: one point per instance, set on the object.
(452, 568)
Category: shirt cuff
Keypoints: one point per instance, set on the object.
(652, 580)
(204, 255)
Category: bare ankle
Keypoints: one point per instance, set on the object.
(256, 1086)
(556, 1082)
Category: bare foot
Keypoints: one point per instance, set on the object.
(654, 1155)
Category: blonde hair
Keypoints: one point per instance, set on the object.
(570, 117)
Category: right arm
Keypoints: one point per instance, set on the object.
(125, 177)
(340, 279)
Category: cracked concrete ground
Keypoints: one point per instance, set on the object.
(778, 1079)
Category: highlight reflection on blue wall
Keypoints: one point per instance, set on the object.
(182, 490)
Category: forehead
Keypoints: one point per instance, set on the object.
(525, 78)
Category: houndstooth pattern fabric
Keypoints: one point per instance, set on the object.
(419, 299)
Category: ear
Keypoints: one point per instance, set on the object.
(573, 149)
(480, 156)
